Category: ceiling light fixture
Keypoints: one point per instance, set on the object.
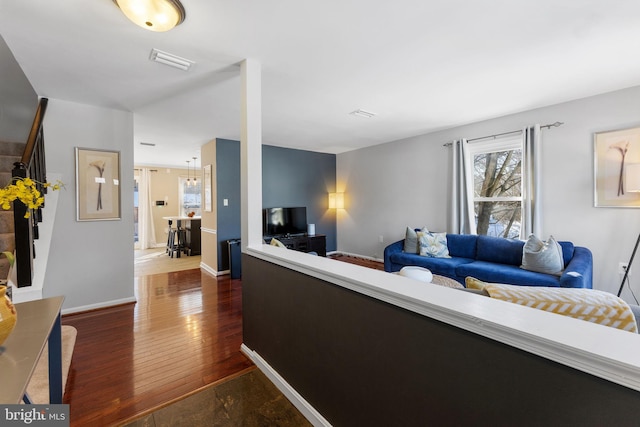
(170, 59)
(153, 15)
(362, 113)
(188, 173)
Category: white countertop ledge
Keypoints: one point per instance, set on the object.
(605, 352)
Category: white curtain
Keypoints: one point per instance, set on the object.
(146, 229)
(532, 202)
(461, 215)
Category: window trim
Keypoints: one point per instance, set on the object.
(506, 143)
(182, 180)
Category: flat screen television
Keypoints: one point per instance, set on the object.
(284, 221)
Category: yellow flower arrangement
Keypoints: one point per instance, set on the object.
(25, 190)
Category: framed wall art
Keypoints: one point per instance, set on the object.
(617, 168)
(208, 204)
(97, 184)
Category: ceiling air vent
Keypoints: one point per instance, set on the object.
(362, 113)
(170, 59)
(149, 144)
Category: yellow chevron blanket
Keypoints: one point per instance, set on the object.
(586, 304)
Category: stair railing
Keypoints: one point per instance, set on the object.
(31, 165)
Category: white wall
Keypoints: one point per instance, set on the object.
(90, 263)
(405, 183)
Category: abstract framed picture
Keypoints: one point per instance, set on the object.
(97, 184)
(617, 168)
(207, 189)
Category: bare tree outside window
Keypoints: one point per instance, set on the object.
(497, 185)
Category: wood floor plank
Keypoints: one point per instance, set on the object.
(184, 332)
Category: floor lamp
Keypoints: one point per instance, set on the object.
(633, 186)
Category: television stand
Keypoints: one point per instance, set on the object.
(305, 243)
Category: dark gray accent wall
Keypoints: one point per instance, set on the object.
(363, 362)
(289, 178)
(292, 178)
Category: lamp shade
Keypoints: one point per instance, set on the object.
(336, 200)
(154, 15)
(632, 177)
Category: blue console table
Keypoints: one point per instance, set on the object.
(38, 322)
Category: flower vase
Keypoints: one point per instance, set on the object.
(8, 315)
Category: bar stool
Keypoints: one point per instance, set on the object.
(171, 241)
(177, 238)
(169, 238)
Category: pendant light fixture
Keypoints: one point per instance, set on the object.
(153, 15)
(188, 173)
(195, 174)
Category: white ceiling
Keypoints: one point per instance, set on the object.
(421, 65)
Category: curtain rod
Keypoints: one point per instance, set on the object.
(549, 126)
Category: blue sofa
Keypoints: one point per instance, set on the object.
(494, 259)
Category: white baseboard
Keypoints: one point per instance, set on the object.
(298, 401)
(136, 246)
(98, 305)
(209, 269)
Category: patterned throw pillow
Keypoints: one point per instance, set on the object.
(473, 283)
(542, 257)
(433, 245)
(278, 243)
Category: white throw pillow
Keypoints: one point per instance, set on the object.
(542, 256)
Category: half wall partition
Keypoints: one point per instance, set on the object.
(355, 346)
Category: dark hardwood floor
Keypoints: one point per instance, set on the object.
(183, 334)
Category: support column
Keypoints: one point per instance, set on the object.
(251, 154)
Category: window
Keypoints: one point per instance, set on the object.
(136, 180)
(190, 194)
(497, 186)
